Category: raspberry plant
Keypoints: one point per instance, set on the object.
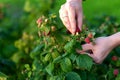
(55, 56)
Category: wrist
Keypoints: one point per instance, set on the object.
(115, 39)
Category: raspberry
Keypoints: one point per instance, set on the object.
(87, 40)
(116, 72)
(39, 21)
(53, 28)
(77, 30)
(114, 58)
(90, 35)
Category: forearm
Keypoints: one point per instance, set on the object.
(115, 39)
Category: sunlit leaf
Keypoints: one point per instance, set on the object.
(84, 62)
(66, 65)
(50, 68)
(72, 76)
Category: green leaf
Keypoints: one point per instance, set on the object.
(36, 51)
(37, 65)
(55, 54)
(78, 46)
(110, 74)
(83, 75)
(84, 62)
(69, 46)
(59, 38)
(92, 76)
(37, 48)
(2, 75)
(73, 57)
(29, 74)
(72, 76)
(59, 77)
(47, 57)
(118, 77)
(27, 66)
(118, 63)
(53, 77)
(50, 68)
(66, 65)
(57, 60)
(64, 55)
(27, 6)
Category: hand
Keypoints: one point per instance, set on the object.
(71, 15)
(102, 47)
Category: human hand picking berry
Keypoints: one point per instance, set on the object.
(71, 15)
(102, 47)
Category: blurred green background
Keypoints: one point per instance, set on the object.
(93, 8)
(18, 26)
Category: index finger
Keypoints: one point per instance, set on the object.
(72, 17)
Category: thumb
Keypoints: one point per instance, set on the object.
(85, 52)
(87, 47)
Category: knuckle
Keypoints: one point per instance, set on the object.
(65, 21)
(70, 5)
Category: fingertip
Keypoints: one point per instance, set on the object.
(80, 28)
(86, 47)
(78, 51)
(73, 32)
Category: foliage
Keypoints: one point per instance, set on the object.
(49, 51)
(56, 49)
(55, 57)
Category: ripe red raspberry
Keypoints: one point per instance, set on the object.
(90, 35)
(114, 58)
(77, 30)
(116, 72)
(87, 40)
(39, 21)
